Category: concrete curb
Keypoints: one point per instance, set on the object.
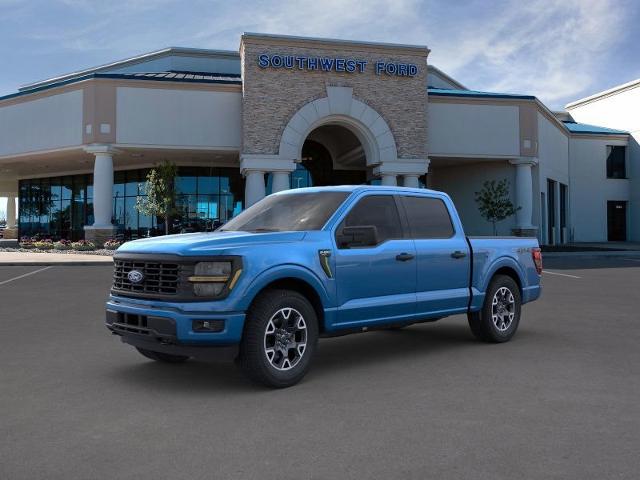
(37, 263)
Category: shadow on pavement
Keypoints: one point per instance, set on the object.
(334, 355)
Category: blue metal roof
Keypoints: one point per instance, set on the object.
(575, 127)
(173, 76)
(444, 92)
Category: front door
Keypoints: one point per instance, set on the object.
(376, 282)
(617, 221)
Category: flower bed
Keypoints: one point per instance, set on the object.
(43, 244)
(83, 245)
(112, 244)
(62, 245)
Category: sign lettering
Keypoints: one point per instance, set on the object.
(331, 64)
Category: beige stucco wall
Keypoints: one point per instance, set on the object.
(459, 129)
(50, 122)
(272, 96)
(178, 117)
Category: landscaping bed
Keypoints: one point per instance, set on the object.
(83, 247)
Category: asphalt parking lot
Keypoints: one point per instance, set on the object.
(562, 400)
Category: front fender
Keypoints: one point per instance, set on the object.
(281, 272)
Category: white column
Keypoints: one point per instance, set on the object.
(524, 191)
(389, 179)
(11, 211)
(103, 189)
(280, 181)
(410, 181)
(255, 189)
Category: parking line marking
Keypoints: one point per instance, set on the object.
(25, 275)
(561, 274)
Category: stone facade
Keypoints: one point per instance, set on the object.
(98, 235)
(272, 96)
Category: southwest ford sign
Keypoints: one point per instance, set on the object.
(331, 64)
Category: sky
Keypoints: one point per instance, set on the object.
(557, 50)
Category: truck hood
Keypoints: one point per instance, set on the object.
(204, 243)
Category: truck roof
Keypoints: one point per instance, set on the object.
(356, 188)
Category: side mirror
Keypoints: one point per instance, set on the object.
(358, 236)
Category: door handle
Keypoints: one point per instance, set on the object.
(458, 254)
(403, 257)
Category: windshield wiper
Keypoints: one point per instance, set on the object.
(259, 230)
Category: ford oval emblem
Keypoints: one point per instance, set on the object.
(135, 276)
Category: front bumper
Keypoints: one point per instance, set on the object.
(171, 324)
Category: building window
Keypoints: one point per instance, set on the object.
(60, 207)
(207, 198)
(55, 207)
(616, 161)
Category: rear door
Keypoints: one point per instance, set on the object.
(443, 256)
(375, 283)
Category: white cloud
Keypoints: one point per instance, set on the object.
(542, 47)
(551, 48)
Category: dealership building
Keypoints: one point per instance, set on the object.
(287, 112)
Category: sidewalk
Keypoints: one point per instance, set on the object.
(32, 258)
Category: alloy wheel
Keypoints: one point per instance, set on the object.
(503, 309)
(285, 338)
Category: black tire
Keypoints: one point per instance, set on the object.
(504, 328)
(162, 357)
(271, 307)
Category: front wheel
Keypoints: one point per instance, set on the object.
(279, 340)
(499, 317)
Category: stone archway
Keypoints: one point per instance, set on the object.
(340, 108)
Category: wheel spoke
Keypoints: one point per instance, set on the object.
(271, 328)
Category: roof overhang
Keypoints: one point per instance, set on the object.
(145, 57)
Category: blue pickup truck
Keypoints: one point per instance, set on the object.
(316, 262)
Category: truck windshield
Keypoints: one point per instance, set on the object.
(278, 213)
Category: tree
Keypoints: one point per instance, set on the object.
(494, 203)
(160, 199)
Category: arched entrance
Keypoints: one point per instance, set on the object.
(333, 155)
(338, 140)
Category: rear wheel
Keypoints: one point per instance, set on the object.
(279, 340)
(162, 357)
(499, 317)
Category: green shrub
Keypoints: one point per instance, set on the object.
(62, 245)
(43, 244)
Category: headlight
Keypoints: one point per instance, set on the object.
(210, 278)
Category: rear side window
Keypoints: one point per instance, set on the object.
(379, 211)
(428, 217)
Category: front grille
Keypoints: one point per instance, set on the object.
(129, 322)
(159, 278)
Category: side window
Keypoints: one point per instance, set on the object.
(428, 217)
(372, 221)
(616, 161)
